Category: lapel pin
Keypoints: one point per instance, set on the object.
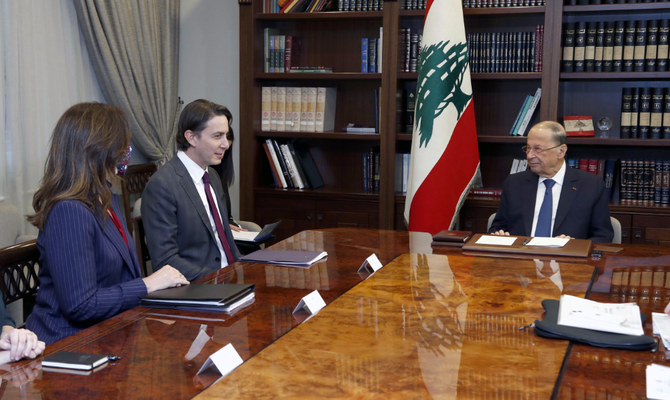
(574, 188)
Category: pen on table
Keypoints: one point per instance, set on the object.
(525, 241)
(113, 358)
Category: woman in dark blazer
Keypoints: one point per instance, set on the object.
(88, 263)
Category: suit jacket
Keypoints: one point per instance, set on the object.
(582, 213)
(176, 224)
(87, 272)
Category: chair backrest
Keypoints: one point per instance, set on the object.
(137, 230)
(19, 269)
(132, 185)
(616, 226)
(488, 224)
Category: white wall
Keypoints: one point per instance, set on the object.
(209, 62)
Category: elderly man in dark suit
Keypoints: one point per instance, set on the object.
(183, 209)
(550, 199)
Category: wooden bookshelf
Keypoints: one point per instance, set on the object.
(333, 39)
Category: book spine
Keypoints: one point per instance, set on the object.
(640, 46)
(304, 106)
(273, 169)
(666, 114)
(645, 113)
(266, 108)
(519, 115)
(310, 124)
(600, 46)
(662, 48)
(283, 165)
(298, 164)
(281, 55)
(580, 45)
(273, 108)
(658, 182)
(364, 55)
(325, 109)
(634, 112)
(372, 55)
(626, 108)
(656, 116)
(288, 52)
(652, 45)
(409, 111)
(290, 165)
(608, 48)
(275, 160)
(617, 52)
(567, 64)
(629, 46)
(529, 113)
(590, 46)
(665, 191)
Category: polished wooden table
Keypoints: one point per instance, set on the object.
(426, 325)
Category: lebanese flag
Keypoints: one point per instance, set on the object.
(445, 157)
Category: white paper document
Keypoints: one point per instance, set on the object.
(496, 240)
(658, 382)
(247, 236)
(621, 318)
(547, 242)
(661, 327)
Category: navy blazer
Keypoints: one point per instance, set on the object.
(582, 213)
(176, 224)
(87, 273)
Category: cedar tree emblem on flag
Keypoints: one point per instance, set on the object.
(444, 158)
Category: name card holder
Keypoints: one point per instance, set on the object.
(312, 303)
(225, 359)
(371, 264)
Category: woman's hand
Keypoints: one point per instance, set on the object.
(21, 343)
(165, 277)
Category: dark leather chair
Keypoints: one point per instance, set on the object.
(19, 269)
(132, 186)
(137, 230)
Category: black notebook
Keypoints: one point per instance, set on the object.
(202, 296)
(66, 359)
(257, 237)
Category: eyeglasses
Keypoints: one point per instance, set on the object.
(536, 150)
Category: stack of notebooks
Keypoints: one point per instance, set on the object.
(202, 297)
(293, 258)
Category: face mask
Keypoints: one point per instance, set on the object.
(123, 165)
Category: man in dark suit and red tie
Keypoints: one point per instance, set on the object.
(550, 199)
(183, 209)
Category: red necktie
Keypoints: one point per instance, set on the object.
(217, 220)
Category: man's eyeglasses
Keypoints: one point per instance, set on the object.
(536, 150)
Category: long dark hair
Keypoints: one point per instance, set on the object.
(87, 143)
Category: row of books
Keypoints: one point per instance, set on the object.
(645, 113)
(506, 51)
(587, 2)
(294, 6)
(502, 3)
(401, 172)
(523, 118)
(631, 182)
(371, 170)
(645, 182)
(280, 52)
(292, 166)
(410, 49)
(615, 46)
(360, 5)
(298, 109)
(371, 53)
(413, 4)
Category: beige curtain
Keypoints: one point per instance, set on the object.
(134, 48)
